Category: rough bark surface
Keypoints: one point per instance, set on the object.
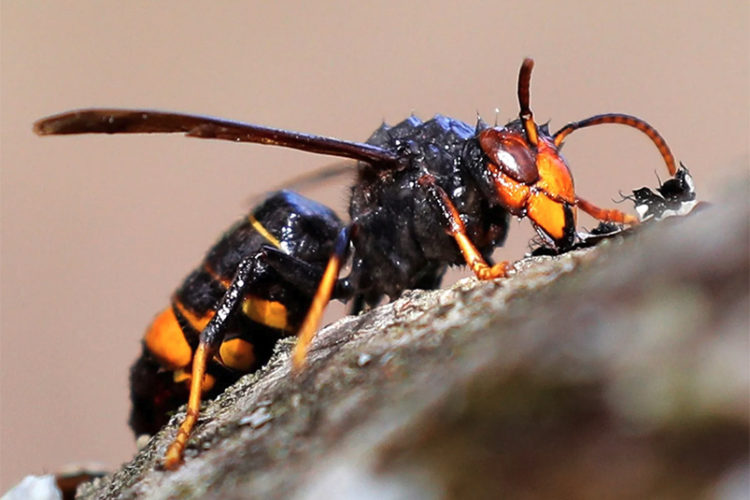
(619, 371)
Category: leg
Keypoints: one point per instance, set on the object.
(320, 300)
(607, 215)
(209, 342)
(303, 275)
(455, 227)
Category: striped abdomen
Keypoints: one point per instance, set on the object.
(271, 307)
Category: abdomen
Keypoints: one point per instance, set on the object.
(271, 308)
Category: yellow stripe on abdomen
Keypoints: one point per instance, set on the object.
(166, 341)
(263, 231)
(198, 322)
(267, 312)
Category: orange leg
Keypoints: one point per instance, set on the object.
(476, 262)
(319, 302)
(312, 320)
(456, 228)
(603, 214)
(173, 457)
(211, 338)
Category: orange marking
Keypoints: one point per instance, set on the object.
(197, 322)
(554, 176)
(180, 376)
(530, 128)
(166, 341)
(263, 231)
(512, 194)
(609, 215)
(547, 214)
(173, 456)
(225, 282)
(267, 312)
(237, 354)
(310, 324)
(184, 376)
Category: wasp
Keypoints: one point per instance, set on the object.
(427, 195)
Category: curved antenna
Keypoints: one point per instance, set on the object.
(622, 119)
(524, 83)
(124, 121)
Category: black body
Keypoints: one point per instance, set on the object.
(307, 233)
(400, 241)
(674, 196)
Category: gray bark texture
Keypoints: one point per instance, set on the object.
(619, 371)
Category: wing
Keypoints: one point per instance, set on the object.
(121, 121)
(312, 179)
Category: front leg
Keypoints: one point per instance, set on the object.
(454, 226)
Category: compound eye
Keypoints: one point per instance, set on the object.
(511, 153)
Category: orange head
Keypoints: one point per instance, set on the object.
(529, 175)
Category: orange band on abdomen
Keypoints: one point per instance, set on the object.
(166, 341)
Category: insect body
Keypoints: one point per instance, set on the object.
(427, 195)
(676, 196)
(263, 272)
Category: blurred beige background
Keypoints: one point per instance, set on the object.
(97, 231)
